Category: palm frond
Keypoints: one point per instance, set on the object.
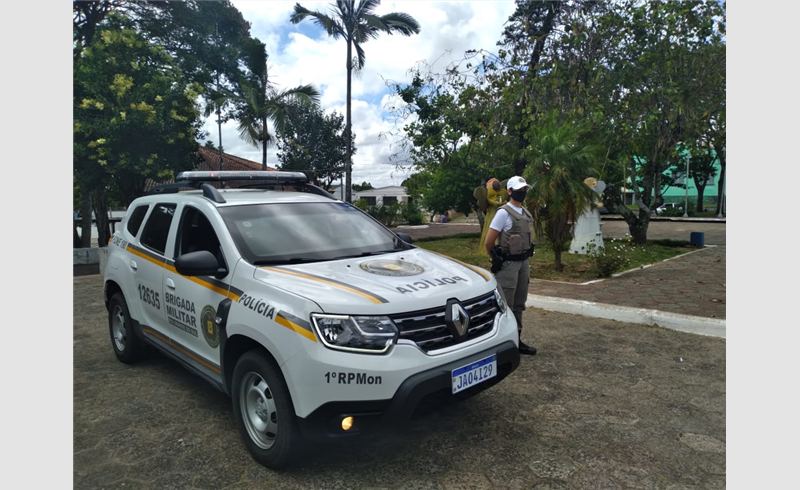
(401, 23)
(331, 25)
(361, 55)
(366, 7)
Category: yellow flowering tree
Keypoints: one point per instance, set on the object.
(135, 117)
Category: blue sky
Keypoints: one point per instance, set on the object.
(303, 53)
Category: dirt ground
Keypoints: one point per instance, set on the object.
(603, 405)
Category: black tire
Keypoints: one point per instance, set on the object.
(126, 344)
(264, 411)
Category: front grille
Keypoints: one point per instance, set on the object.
(427, 328)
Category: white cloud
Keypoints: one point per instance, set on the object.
(301, 54)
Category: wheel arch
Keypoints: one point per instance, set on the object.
(235, 347)
(111, 288)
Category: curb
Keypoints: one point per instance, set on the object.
(712, 327)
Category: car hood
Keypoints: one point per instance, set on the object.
(402, 281)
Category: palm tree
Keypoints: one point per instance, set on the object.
(560, 158)
(261, 102)
(357, 24)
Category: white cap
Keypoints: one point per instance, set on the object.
(516, 183)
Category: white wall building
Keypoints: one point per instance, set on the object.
(383, 195)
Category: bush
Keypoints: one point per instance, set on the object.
(611, 258)
(388, 215)
(411, 214)
(361, 204)
(393, 214)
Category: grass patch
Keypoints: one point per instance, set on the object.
(577, 268)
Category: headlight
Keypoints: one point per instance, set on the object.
(367, 334)
(501, 300)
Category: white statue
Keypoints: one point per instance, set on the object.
(587, 227)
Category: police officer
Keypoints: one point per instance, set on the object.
(513, 225)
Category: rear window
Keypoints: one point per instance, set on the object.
(156, 230)
(135, 219)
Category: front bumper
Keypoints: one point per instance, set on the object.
(373, 416)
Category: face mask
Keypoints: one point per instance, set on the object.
(519, 195)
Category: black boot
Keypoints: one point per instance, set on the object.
(526, 349)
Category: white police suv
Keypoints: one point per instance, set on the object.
(317, 320)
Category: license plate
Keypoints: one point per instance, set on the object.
(475, 373)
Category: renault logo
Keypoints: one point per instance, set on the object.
(457, 319)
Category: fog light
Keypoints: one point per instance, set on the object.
(347, 423)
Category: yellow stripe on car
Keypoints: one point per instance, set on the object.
(297, 328)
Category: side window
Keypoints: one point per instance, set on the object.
(196, 233)
(156, 230)
(136, 218)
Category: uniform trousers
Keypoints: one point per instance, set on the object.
(513, 277)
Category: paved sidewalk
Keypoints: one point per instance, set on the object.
(685, 293)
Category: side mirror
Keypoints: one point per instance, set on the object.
(200, 263)
(405, 237)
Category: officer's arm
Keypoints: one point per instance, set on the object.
(491, 237)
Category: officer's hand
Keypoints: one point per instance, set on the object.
(497, 260)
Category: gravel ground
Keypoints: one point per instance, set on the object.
(604, 405)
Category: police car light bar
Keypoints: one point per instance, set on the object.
(227, 175)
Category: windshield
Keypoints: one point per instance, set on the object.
(306, 232)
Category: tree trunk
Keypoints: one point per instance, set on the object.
(721, 186)
(559, 265)
(101, 217)
(349, 129)
(700, 191)
(86, 219)
(638, 227)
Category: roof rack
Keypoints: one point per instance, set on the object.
(267, 179)
(209, 191)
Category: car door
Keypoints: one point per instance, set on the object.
(147, 267)
(192, 302)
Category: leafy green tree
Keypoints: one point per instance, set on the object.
(356, 24)
(707, 106)
(204, 39)
(701, 169)
(443, 189)
(561, 156)
(314, 142)
(135, 118)
(651, 96)
(263, 103)
(448, 120)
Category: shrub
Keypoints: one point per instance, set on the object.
(388, 215)
(611, 258)
(411, 214)
(361, 204)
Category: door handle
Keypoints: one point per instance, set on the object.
(133, 265)
(170, 283)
